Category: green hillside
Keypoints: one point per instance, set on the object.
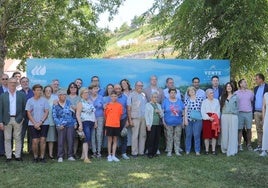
(134, 43)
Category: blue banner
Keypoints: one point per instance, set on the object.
(43, 71)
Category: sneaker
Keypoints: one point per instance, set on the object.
(109, 158)
(180, 150)
(257, 149)
(71, 159)
(87, 160)
(98, 155)
(94, 155)
(240, 147)
(249, 148)
(43, 160)
(158, 152)
(187, 153)
(115, 159)
(35, 160)
(178, 153)
(197, 153)
(124, 156)
(263, 154)
(169, 154)
(60, 160)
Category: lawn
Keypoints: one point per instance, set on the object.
(246, 169)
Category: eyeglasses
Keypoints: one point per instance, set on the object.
(4, 78)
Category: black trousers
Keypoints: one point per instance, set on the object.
(153, 138)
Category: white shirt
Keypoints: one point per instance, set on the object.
(12, 104)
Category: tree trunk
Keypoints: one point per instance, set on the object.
(3, 52)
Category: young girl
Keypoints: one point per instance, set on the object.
(113, 112)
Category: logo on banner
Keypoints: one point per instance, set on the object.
(39, 70)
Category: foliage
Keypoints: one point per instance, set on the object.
(137, 21)
(57, 28)
(215, 29)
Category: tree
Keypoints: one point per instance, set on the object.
(124, 27)
(137, 21)
(216, 29)
(52, 28)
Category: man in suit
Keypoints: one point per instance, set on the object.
(3, 89)
(215, 86)
(259, 91)
(12, 112)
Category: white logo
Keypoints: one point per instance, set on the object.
(39, 70)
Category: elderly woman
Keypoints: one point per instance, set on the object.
(97, 134)
(229, 120)
(153, 114)
(85, 114)
(65, 121)
(193, 124)
(173, 121)
(51, 135)
(210, 110)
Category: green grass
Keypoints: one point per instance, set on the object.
(246, 169)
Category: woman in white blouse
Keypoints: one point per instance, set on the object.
(210, 110)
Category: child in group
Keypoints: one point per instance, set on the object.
(113, 112)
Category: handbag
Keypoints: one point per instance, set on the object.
(195, 115)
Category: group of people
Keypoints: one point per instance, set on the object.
(85, 114)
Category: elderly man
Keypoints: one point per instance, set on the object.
(3, 89)
(136, 111)
(12, 105)
(170, 85)
(153, 88)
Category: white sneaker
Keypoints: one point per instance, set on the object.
(263, 154)
(258, 148)
(115, 159)
(71, 159)
(109, 158)
(180, 150)
(60, 160)
(124, 156)
(169, 154)
(240, 147)
(178, 154)
(158, 152)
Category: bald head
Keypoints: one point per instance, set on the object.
(117, 89)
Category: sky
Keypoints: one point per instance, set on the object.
(126, 13)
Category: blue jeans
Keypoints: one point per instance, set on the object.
(194, 128)
(87, 128)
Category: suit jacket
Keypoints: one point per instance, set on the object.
(1, 90)
(4, 107)
(255, 91)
